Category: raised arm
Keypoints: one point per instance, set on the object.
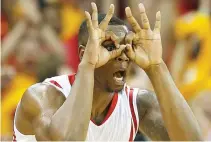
(71, 120)
(51, 117)
(77, 107)
(178, 118)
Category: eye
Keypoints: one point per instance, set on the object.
(110, 47)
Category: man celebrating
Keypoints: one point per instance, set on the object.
(96, 104)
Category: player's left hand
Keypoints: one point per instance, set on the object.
(145, 48)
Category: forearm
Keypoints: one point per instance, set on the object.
(178, 117)
(74, 115)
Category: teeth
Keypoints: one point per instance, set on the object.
(118, 78)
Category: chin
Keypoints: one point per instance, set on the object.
(118, 89)
(115, 88)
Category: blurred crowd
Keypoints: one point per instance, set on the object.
(39, 40)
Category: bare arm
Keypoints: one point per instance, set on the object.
(47, 111)
(75, 113)
(38, 104)
(151, 121)
(178, 117)
(77, 107)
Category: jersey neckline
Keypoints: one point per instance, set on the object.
(110, 110)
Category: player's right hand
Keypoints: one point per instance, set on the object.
(95, 54)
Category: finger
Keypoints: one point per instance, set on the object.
(88, 22)
(132, 20)
(144, 19)
(102, 37)
(117, 52)
(130, 52)
(94, 15)
(103, 25)
(158, 22)
(129, 37)
(111, 36)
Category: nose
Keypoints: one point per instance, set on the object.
(122, 58)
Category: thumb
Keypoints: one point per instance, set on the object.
(117, 52)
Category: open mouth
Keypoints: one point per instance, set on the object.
(119, 77)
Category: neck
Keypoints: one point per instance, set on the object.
(101, 100)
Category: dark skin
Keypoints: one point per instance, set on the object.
(42, 99)
(46, 111)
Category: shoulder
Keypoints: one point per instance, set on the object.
(62, 83)
(59, 81)
(146, 97)
(40, 96)
(37, 101)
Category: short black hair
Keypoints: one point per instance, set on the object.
(83, 31)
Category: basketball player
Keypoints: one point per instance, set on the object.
(96, 104)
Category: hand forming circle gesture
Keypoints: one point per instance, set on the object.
(146, 46)
(95, 54)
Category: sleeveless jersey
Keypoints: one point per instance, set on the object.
(120, 123)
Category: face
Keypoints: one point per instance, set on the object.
(111, 76)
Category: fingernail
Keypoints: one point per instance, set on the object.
(158, 14)
(141, 7)
(128, 11)
(112, 5)
(111, 8)
(127, 8)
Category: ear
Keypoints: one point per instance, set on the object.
(81, 51)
